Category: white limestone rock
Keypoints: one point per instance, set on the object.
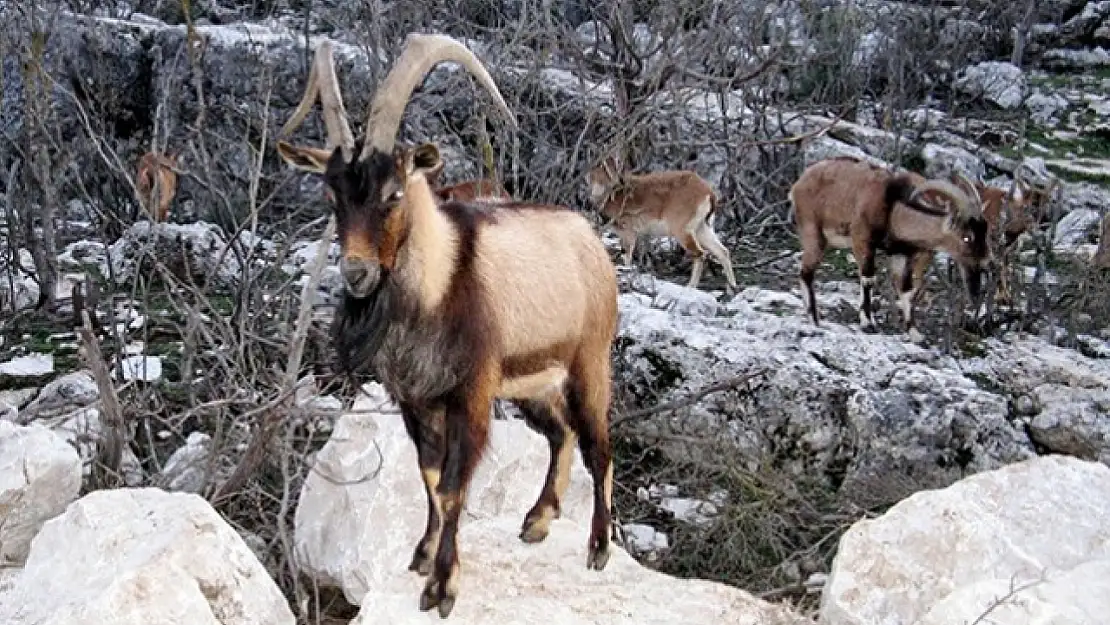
(363, 508)
(507, 581)
(940, 556)
(39, 476)
(356, 528)
(142, 556)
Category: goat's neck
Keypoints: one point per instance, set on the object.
(611, 197)
(920, 229)
(430, 253)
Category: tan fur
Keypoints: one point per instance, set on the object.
(156, 175)
(433, 243)
(556, 249)
(676, 203)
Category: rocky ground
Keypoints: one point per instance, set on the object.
(778, 472)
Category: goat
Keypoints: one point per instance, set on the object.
(676, 203)
(486, 189)
(452, 304)
(156, 174)
(848, 203)
(1015, 211)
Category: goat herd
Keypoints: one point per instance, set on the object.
(457, 296)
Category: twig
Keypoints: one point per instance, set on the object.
(689, 400)
(1006, 598)
(109, 450)
(271, 419)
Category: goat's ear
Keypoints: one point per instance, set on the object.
(433, 174)
(423, 159)
(304, 158)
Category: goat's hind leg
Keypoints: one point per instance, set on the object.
(467, 429)
(549, 418)
(712, 243)
(813, 250)
(590, 388)
(426, 429)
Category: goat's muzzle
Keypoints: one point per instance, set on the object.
(360, 276)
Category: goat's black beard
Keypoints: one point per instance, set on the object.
(361, 325)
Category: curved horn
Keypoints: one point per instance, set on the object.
(970, 188)
(420, 54)
(323, 82)
(965, 206)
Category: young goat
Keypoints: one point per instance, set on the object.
(453, 304)
(156, 175)
(848, 203)
(676, 203)
(1016, 210)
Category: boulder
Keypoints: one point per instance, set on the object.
(39, 476)
(507, 581)
(946, 556)
(860, 411)
(131, 556)
(362, 510)
(997, 82)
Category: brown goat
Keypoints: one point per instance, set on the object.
(156, 175)
(1017, 211)
(848, 203)
(453, 304)
(677, 203)
(485, 189)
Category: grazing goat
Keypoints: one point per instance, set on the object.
(675, 203)
(848, 203)
(1016, 211)
(452, 304)
(156, 176)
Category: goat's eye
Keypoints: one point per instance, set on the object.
(396, 195)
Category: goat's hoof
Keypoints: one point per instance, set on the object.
(915, 336)
(435, 595)
(429, 598)
(421, 563)
(598, 558)
(537, 523)
(534, 531)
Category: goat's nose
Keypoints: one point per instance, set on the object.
(353, 271)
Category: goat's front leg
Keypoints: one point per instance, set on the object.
(864, 251)
(628, 245)
(903, 273)
(426, 428)
(467, 427)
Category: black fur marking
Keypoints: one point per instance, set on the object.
(900, 189)
(419, 355)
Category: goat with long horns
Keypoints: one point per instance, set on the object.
(452, 304)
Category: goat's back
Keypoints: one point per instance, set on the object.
(833, 193)
(652, 194)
